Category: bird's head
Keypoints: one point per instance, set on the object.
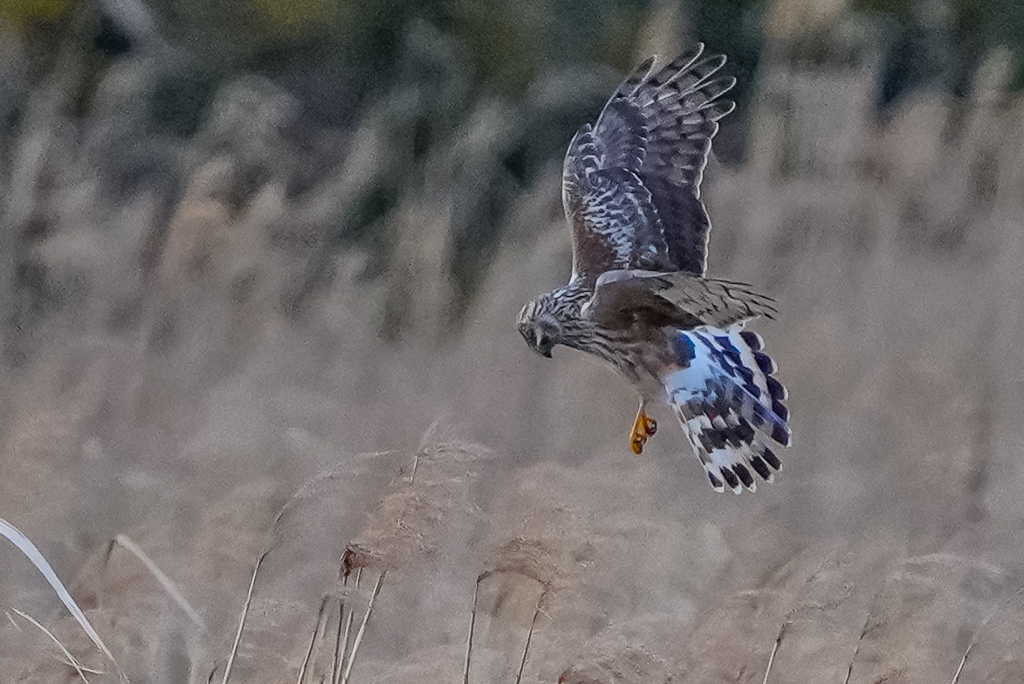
(539, 326)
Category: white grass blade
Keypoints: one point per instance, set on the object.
(26, 546)
(67, 654)
(164, 580)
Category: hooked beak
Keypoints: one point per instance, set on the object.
(542, 345)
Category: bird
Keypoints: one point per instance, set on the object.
(639, 298)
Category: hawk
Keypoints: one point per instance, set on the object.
(638, 297)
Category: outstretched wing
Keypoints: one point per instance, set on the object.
(631, 182)
(624, 298)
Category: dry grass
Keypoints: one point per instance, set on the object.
(67, 654)
(25, 545)
(184, 411)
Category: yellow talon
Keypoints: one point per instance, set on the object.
(643, 427)
(650, 425)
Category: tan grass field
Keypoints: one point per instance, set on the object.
(485, 500)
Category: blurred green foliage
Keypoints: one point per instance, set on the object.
(974, 27)
(507, 42)
(23, 12)
(426, 68)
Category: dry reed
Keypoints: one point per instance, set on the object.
(893, 250)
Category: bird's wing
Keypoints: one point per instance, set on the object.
(631, 181)
(624, 298)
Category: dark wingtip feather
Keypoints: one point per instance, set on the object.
(715, 482)
(782, 435)
(717, 87)
(744, 475)
(632, 83)
(730, 478)
(753, 340)
(721, 109)
(692, 76)
(776, 390)
(771, 459)
(639, 75)
(678, 65)
(765, 363)
(707, 67)
(761, 467)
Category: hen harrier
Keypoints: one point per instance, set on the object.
(638, 297)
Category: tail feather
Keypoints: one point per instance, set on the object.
(729, 404)
(753, 340)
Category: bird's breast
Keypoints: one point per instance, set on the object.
(644, 358)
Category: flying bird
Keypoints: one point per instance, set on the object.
(638, 297)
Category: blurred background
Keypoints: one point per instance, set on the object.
(260, 263)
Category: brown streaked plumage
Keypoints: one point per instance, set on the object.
(638, 297)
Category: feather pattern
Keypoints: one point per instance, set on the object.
(697, 301)
(638, 297)
(644, 158)
(729, 405)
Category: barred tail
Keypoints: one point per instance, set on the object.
(729, 404)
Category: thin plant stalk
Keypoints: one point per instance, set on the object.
(963, 661)
(347, 633)
(346, 655)
(860, 639)
(35, 556)
(529, 638)
(362, 628)
(312, 639)
(165, 582)
(775, 649)
(241, 619)
(977, 634)
(423, 447)
(67, 654)
(472, 627)
(338, 653)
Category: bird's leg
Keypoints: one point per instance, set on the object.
(643, 427)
